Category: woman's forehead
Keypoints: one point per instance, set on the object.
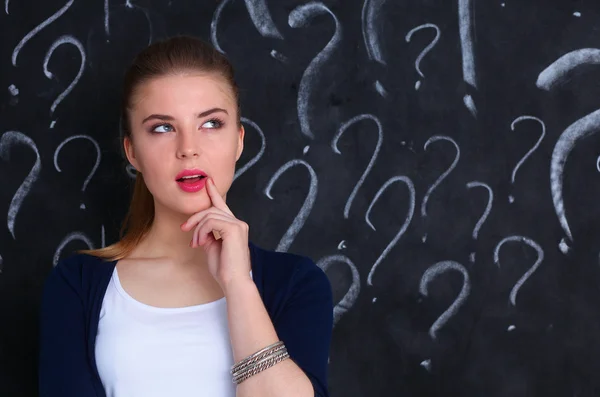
(177, 90)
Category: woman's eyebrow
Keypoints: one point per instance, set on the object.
(166, 117)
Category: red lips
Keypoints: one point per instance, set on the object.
(190, 172)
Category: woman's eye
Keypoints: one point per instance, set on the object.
(168, 126)
(213, 123)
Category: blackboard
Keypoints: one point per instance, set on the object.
(438, 159)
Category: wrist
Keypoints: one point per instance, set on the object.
(238, 284)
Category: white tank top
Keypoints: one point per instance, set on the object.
(147, 351)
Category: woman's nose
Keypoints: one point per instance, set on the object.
(187, 145)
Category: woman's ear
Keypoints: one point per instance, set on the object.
(240, 148)
(130, 152)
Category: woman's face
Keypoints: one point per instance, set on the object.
(182, 122)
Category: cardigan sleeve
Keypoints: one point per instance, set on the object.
(306, 323)
(63, 366)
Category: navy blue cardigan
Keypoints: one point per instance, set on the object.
(295, 291)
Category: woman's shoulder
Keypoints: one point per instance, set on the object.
(78, 270)
(80, 262)
(279, 263)
(287, 270)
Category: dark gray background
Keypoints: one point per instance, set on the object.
(353, 67)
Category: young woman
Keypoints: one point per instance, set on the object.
(184, 304)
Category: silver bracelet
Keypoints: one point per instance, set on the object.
(259, 361)
(268, 358)
(259, 367)
(255, 355)
(251, 362)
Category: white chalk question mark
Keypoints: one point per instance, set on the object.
(127, 5)
(465, 23)
(433, 272)
(66, 39)
(77, 236)
(426, 50)
(511, 198)
(586, 126)
(351, 295)
(257, 157)
(9, 139)
(290, 234)
(540, 258)
(334, 147)
(214, 25)
(71, 237)
(261, 18)
(485, 214)
(131, 171)
(371, 31)
(37, 29)
(409, 215)
(300, 16)
(94, 168)
(443, 176)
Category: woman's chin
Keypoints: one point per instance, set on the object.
(186, 207)
(192, 208)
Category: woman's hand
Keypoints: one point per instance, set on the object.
(223, 237)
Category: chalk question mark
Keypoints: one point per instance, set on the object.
(131, 171)
(409, 215)
(290, 234)
(523, 279)
(351, 295)
(465, 23)
(71, 237)
(9, 139)
(214, 26)
(106, 18)
(371, 31)
(485, 214)
(426, 50)
(432, 273)
(511, 198)
(443, 176)
(94, 168)
(128, 6)
(257, 157)
(334, 147)
(37, 29)
(299, 17)
(260, 16)
(14, 92)
(586, 126)
(66, 39)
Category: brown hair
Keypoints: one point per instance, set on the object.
(175, 55)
